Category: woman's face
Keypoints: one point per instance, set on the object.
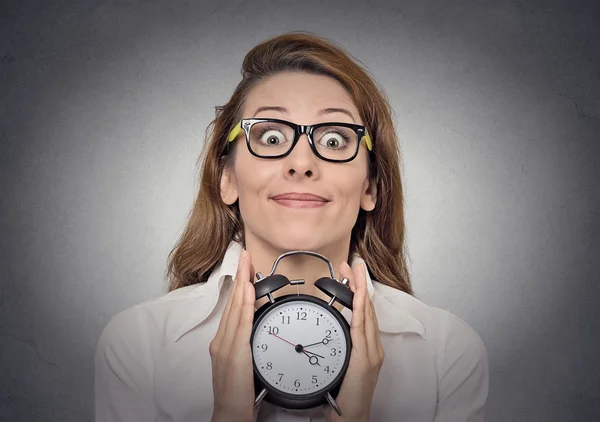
(258, 183)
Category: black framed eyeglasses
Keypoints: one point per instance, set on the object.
(274, 138)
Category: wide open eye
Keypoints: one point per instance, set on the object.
(335, 142)
(334, 139)
(269, 138)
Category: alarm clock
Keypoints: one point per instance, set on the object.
(300, 343)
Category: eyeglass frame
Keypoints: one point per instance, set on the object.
(299, 130)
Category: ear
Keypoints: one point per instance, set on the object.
(368, 198)
(229, 187)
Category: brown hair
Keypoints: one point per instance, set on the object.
(378, 236)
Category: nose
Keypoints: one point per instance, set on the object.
(301, 161)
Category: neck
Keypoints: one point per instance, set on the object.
(306, 267)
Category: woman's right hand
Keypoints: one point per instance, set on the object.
(230, 352)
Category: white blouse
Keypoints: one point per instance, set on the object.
(152, 361)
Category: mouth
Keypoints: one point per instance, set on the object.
(300, 200)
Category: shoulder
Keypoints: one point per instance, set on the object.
(463, 354)
(126, 353)
(448, 334)
(458, 353)
(154, 320)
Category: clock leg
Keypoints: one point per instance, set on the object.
(333, 404)
(261, 396)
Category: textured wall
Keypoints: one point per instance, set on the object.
(104, 105)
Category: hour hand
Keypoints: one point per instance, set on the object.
(324, 341)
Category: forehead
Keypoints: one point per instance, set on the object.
(303, 94)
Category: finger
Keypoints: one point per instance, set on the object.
(379, 345)
(244, 330)
(357, 324)
(374, 340)
(350, 277)
(252, 274)
(346, 272)
(353, 279)
(221, 330)
(233, 319)
(371, 332)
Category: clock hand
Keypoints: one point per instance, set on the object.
(324, 341)
(313, 360)
(283, 339)
(298, 346)
(312, 353)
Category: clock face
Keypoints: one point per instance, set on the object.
(299, 347)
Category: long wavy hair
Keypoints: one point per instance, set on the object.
(378, 236)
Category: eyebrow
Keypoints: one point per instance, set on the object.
(319, 113)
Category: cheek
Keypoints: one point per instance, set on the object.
(350, 186)
(253, 179)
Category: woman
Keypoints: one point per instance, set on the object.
(269, 187)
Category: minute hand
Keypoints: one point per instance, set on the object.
(312, 353)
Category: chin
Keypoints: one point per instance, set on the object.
(308, 240)
(299, 237)
(291, 243)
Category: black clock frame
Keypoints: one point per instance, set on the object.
(296, 401)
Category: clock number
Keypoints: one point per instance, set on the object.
(326, 369)
(280, 377)
(264, 347)
(269, 365)
(328, 336)
(333, 352)
(283, 317)
(297, 383)
(273, 330)
(314, 379)
(298, 317)
(317, 320)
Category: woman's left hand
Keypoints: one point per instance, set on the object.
(356, 392)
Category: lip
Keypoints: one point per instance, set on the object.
(300, 200)
(297, 196)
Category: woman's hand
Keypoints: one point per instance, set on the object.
(356, 392)
(233, 382)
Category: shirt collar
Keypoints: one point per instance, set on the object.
(392, 306)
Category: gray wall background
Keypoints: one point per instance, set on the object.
(104, 105)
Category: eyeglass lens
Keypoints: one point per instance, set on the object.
(270, 139)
